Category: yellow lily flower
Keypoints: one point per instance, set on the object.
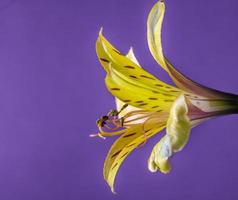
(145, 105)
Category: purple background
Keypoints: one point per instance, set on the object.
(52, 91)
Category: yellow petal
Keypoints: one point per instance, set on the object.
(160, 154)
(178, 124)
(124, 145)
(119, 103)
(138, 97)
(177, 134)
(127, 81)
(125, 66)
(154, 31)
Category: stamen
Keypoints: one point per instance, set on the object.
(113, 112)
(122, 108)
(135, 119)
(122, 121)
(104, 133)
(102, 121)
(111, 124)
(142, 115)
(136, 112)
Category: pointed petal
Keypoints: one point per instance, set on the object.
(130, 83)
(124, 146)
(132, 56)
(119, 103)
(154, 30)
(123, 65)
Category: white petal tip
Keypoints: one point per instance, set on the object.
(131, 49)
(152, 170)
(152, 167)
(100, 31)
(113, 191)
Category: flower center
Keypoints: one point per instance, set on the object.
(114, 123)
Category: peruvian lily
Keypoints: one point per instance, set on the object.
(145, 105)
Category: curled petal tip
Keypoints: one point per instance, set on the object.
(166, 171)
(152, 167)
(153, 170)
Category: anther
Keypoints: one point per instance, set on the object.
(113, 113)
(102, 121)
